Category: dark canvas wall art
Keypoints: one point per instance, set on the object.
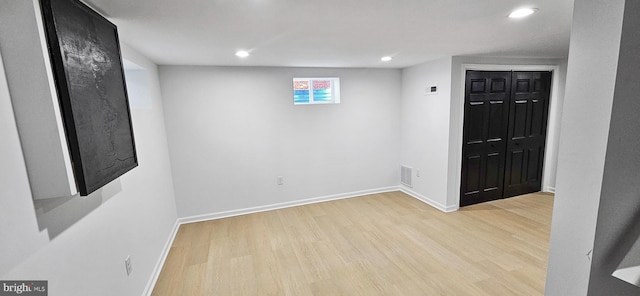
(89, 77)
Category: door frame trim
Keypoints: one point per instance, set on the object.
(552, 117)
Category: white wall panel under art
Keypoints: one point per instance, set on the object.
(234, 130)
(34, 100)
(78, 244)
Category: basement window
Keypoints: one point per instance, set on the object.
(307, 91)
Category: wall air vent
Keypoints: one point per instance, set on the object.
(405, 176)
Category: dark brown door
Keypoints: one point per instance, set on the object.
(527, 132)
(486, 117)
(505, 124)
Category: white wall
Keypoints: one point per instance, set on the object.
(618, 224)
(425, 130)
(79, 244)
(233, 130)
(591, 76)
(553, 136)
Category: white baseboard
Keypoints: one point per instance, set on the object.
(431, 202)
(165, 252)
(550, 189)
(225, 214)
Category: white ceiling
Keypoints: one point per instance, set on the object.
(336, 33)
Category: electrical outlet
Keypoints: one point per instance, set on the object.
(280, 180)
(127, 265)
(418, 173)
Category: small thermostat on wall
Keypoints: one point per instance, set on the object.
(431, 90)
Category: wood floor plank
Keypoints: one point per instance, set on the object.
(381, 244)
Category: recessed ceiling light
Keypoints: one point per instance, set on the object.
(386, 59)
(522, 12)
(242, 54)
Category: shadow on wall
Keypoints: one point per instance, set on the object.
(622, 253)
(58, 214)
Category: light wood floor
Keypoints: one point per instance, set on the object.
(382, 244)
